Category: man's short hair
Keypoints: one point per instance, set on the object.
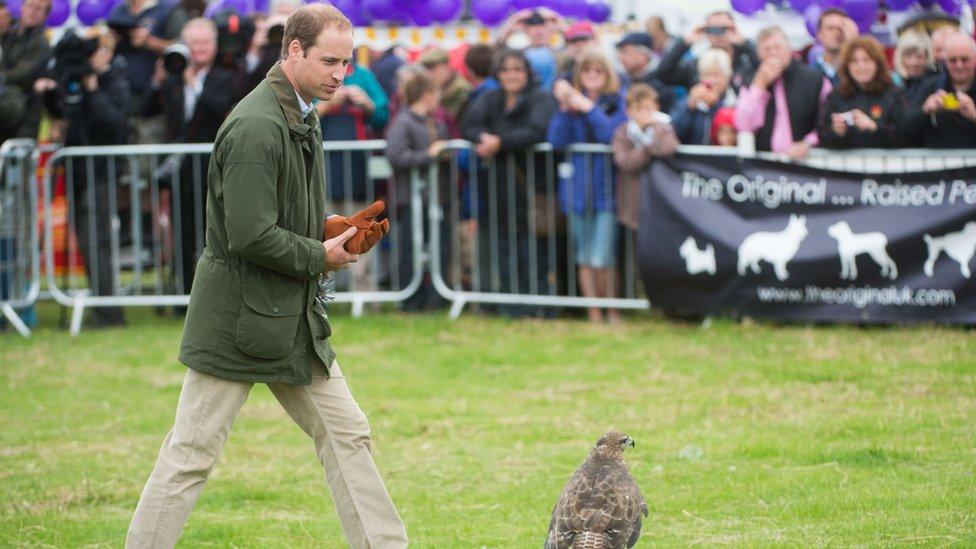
(768, 32)
(726, 13)
(479, 59)
(308, 22)
(202, 22)
(416, 86)
(828, 12)
(639, 93)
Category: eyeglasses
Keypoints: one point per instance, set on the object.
(958, 59)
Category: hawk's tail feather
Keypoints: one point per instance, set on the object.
(591, 540)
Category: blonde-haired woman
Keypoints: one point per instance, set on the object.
(914, 63)
(590, 109)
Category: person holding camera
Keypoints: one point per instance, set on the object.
(24, 52)
(722, 33)
(141, 28)
(88, 96)
(195, 96)
(861, 111)
(946, 118)
(693, 118)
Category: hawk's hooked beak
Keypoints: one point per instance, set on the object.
(629, 442)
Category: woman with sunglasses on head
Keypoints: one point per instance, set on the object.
(590, 109)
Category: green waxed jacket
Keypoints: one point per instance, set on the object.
(253, 314)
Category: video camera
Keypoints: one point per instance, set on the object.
(234, 34)
(70, 65)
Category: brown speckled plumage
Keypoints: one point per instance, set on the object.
(601, 506)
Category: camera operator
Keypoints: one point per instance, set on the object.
(264, 50)
(195, 96)
(25, 53)
(88, 95)
(141, 27)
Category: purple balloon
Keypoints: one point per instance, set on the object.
(490, 12)
(347, 7)
(528, 4)
(60, 10)
(382, 10)
(811, 16)
(952, 7)
(444, 10)
(899, 5)
(599, 12)
(90, 11)
(13, 6)
(242, 7)
(748, 7)
(570, 8)
(863, 12)
(801, 5)
(420, 14)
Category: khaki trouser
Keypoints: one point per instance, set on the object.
(325, 410)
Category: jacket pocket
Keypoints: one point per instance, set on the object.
(267, 324)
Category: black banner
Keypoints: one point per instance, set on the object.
(724, 235)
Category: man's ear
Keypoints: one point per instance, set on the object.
(295, 49)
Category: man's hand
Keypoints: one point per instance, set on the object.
(489, 146)
(933, 102)
(336, 256)
(369, 231)
(768, 72)
(138, 37)
(357, 96)
(967, 107)
(798, 150)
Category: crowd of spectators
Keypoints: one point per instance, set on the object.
(172, 74)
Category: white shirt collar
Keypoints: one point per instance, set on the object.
(305, 107)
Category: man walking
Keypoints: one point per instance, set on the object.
(256, 311)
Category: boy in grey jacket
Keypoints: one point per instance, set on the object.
(415, 140)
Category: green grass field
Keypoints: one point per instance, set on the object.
(746, 434)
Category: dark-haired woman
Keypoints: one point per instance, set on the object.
(504, 124)
(861, 111)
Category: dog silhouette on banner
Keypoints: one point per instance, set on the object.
(777, 248)
(851, 244)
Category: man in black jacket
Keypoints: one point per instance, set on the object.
(946, 118)
(782, 102)
(96, 118)
(195, 103)
(636, 57)
(721, 32)
(24, 53)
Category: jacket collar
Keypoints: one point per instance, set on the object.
(301, 130)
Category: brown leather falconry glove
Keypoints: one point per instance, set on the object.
(369, 231)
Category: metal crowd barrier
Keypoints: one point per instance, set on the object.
(520, 254)
(19, 260)
(497, 233)
(357, 174)
(135, 225)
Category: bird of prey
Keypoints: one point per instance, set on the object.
(601, 507)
